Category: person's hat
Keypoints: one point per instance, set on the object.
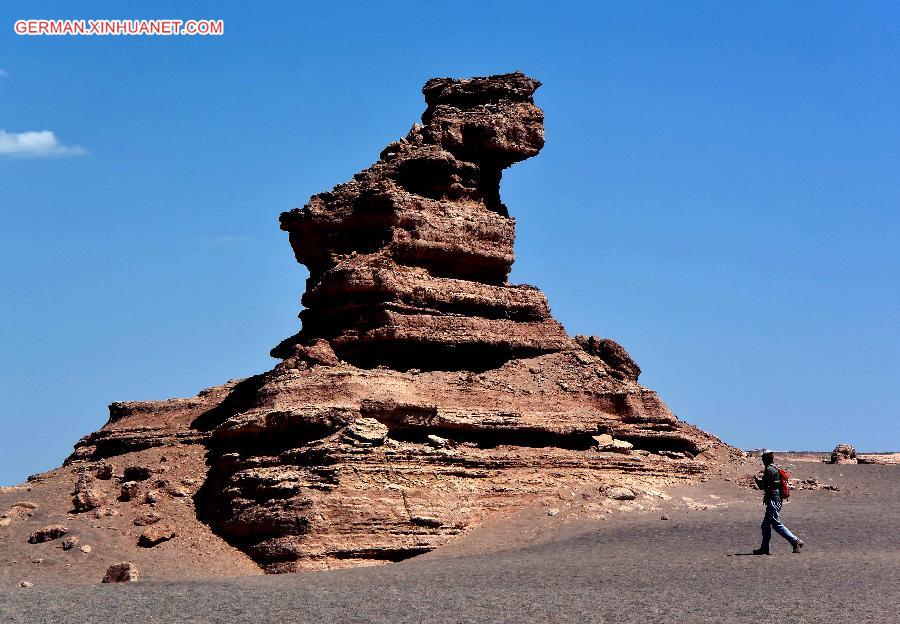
(767, 452)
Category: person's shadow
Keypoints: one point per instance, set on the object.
(741, 554)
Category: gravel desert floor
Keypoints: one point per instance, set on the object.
(563, 566)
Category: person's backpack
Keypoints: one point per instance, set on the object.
(784, 486)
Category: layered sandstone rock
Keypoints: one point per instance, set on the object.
(423, 394)
(458, 395)
(408, 261)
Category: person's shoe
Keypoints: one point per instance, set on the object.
(798, 545)
(760, 551)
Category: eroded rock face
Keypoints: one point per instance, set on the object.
(424, 393)
(613, 355)
(458, 395)
(408, 261)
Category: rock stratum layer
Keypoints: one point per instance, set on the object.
(423, 395)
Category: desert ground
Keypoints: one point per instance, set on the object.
(570, 563)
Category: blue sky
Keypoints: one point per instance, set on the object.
(719, 193)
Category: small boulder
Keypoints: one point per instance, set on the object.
(130, 490)
(70, 542)
(87, 497)
(5, 521)
(619, 493)
(26, 584)
(48, 533)
(155, 535)
(843, 454)
(85, 549)
(125, 572)
(151, 497)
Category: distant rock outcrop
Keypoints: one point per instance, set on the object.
(843, 454)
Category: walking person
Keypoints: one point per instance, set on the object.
(773, 483)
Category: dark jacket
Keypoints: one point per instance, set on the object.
(770, 483)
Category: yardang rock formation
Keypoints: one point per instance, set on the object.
(408, 261)
(424, 394)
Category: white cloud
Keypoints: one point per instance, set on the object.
(35, 144)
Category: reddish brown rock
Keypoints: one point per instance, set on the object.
(130, 490)
(125, 572)
(408, 265)
(87, 496)
(318, 351)
(147, 518)
(423, 394)
(613, 355)
(408, 261)
(156, 534)
(48, 533)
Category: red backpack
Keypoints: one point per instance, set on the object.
(784, 486)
